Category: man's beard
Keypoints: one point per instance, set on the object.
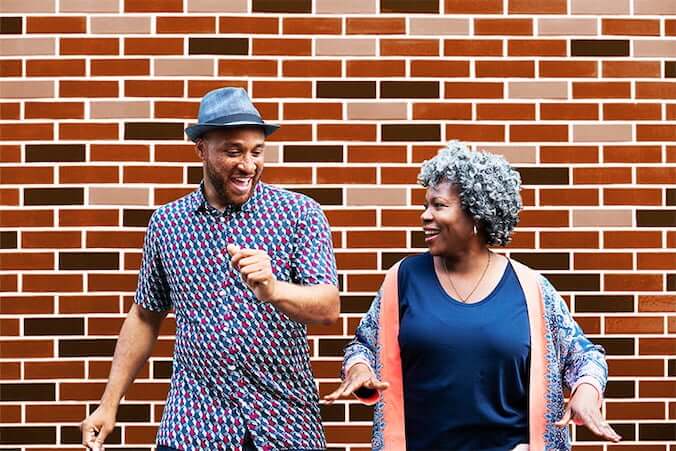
(219, 183)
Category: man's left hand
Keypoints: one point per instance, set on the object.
(256, 270)
(583, 408)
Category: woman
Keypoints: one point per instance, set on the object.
(464, 349)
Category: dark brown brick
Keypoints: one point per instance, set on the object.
(390, 258)
(136, 218)
(603, 303)
(87, 348)
(360, 412)
(544, 176)
(287, 6)
(620, 389)
(616, 346)
(325, 196)
(88, 260)
(332, 347)
(671, 371)
(195, 174)
(313, 154)
(355, 304)
(656, 432)
(162, 369)
(71, 435)
(129, 413)
(656, 218)
(599, 47)
(8, 240)
(409, 90)
(54, 196)
(411, 132)
(53, 326)
(153, 130)
(670, 69)
(346, 89)
(418, 240)
(41, 153)
(671, 196)
(409, 6)
(11, 25)
(543, 260)
(625, 430)
(28, 435)
(27, 392)
(575, 282)
(218, 46)
(333, 412)
(671, 282)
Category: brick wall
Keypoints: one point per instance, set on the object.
(95, 94)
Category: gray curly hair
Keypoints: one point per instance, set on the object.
(487, 185)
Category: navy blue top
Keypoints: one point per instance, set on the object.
(465, 366)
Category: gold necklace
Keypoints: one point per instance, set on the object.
(448, 274)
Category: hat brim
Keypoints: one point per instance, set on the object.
(196, 130)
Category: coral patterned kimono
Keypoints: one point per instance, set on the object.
(560, 356)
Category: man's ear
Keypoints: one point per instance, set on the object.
(201, 149)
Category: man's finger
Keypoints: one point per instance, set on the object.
(233, 249)
(565, 419)
(259, 258)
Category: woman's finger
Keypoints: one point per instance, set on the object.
(335, 394)
(565, 419)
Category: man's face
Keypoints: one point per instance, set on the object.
(233, 162)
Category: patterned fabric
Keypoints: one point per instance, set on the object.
(571, 359)
(239, 365)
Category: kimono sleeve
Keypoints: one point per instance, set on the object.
(152, 292)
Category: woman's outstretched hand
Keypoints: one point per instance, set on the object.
(583, 409)
(359, 376)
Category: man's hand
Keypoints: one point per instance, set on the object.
(96, 427)
(256, 270)
(359, 376)
(583, 409)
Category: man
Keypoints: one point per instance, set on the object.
(244, 265)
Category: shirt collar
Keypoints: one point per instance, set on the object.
(199, 201)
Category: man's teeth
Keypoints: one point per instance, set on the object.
(431, 232)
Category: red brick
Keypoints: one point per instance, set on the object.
(655, 90)
(473, 132)
(503, 27)
(632, 154)
(656, 132)
(351, 218)
(152, 174)
(633, 282)
(507, 69)
(375, 68)
(394, 175)
(26, 349)
(632, 111)
(356, 260)
(176, 153)
(8, 282)
(443, 111)
(26, 218)
(376, 239)
(251, 68)
(670, 27)
(87, 88)
(10, 111)
(346, 175)
(632, 196)
(18, 261)
(401, 218)
(630, 27)
(658, 346)
(53, 110)
(602, 175)
(338, 433)
(313, 26)
(176, 110)
(120, 152)
(10, 328)
(634, 325)
(26, 305)
(9, 196)
(377, 26)
(282, 47)
(376, 154)
(47, 282)
(9, 370)
(56, 68)
(153, 46)
(505, 111)
(10, 68)
(88, 304)
(54, 413)
(89, 217)
(54, 25)
(248, 25)
(656, 175)
(632, 367)
(197, 88)
(311, 68)
(152, 6)
(153, 88)
(10, 153)
(88, 131)
(569, 111)
(632, 239)
(567, 69)
(55, 239)
(26, 132)
(281, 175)
(293, 132)
(89, 174)
(472, 47)
(567, 196)
(601, 90)
(26, 175)
(54, 370)
(140, 434)
(538, 133)
(537, 7)
(566, 240)
(89, 46)
(656, 389)
(409, 47)
(346, 132)
(275, 89)
(112, 282)
(313, 111)
(661, 260)
(532, 47)
(634, 410)
(118, 66)
(10, 413)
(473, 7)
(569, 154)
(473, 90)
(631, 69)
(186, 24)
(430, 68)
(364, 282)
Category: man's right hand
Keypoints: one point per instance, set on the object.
(96, 427)
(358, 376)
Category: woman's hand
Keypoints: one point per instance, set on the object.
(359, 376)
(583, 409)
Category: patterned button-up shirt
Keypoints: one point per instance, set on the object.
(241, 367)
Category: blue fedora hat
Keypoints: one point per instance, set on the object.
(227, 107)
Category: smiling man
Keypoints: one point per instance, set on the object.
(245, 265)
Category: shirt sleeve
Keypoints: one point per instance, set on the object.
(152, 292)
(313, 262)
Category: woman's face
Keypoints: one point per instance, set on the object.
(448, 229)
